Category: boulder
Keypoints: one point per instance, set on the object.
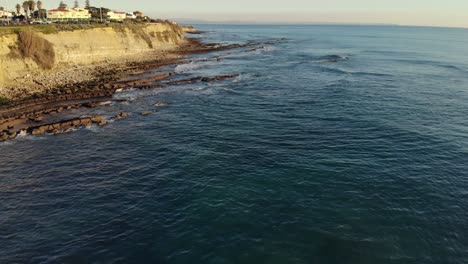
(56, 126)
(36, 119)
(12, 135)
(122, 115)
(86, 122)
(90, 104)
(160, 104)
(7, 135)
(62, 131)
(45, 128)
(105, 103)
(97, 119)
(76, 122)
(66, 124)
(37, 131)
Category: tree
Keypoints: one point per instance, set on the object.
(87, 4)
(18, 9)
(39, 7)
(138, 14)
(76, 5)
(62, 5)
(26, 8)
(32, 6)
(2, 8)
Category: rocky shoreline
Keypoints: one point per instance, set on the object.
(45, 112)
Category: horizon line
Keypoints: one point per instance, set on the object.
(234, 22)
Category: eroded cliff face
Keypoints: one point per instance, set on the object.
(84, 47)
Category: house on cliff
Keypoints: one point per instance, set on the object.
(68, 14)
(131, 16)
(6, 14)
(138, 14)
(117, 16)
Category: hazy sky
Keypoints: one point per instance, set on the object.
(403, 12)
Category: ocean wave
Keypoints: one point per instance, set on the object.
(434, 64)
(338, 83)
(247, 52)
(268, 48)
(94, 128)
(23, 137)
(333, 58)
(330, 58)
(8, 142)
(391, 52)
(270, 41)
(355, 73)
(195, 65)
(130, 97)
(126, 95)
(372, 74)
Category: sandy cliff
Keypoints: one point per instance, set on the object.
(21, 58)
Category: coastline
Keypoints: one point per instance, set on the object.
(34, 59)
(47, 110)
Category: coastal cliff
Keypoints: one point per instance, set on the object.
(30, 52)
(57, 83)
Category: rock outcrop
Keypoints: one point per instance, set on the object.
(60, 127)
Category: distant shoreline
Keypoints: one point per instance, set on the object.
(253, 23)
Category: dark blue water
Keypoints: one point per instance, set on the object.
(335, 145)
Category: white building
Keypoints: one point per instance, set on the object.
(68, 13)
(114, 15)
(6, 14)
(131, 16)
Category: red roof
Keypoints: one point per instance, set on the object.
(62, 10)
(59, 10)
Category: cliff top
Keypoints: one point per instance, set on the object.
(55, 28)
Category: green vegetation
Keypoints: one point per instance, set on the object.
(135, 26)
(32, 9)
(62, 5)
(40, 50)
(4, 101)
(48, 29)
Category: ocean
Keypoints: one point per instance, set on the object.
(336, 144)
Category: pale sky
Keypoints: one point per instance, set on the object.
(452, 13)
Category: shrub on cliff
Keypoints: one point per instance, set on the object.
(37, 48)
(3, 101)
(139, 31)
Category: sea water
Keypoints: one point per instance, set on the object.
(336, 144)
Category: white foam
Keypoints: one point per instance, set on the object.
(22, 133)
(93, 128)
(269, 48)
(129, 95)
(193, 65)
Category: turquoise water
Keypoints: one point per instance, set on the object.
(336, 144)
